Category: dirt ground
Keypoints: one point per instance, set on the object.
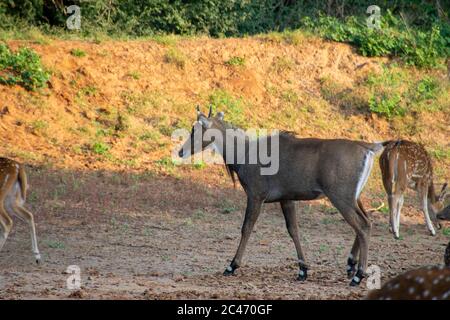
(159, 237)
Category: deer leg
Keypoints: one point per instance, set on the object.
(251, 215)
(6, 222)
(400, 202)
(25, 215)
(5, 228)
(288, 208)
(427, 215)
(393, 200)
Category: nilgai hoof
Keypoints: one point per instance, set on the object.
(351, 267)
(356, 280)
(439, 225)
(38, 259)
(302, 275)
(229, 271)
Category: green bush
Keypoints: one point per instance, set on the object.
(422, 38)
(100, 148)
(426, 89)
(78, 53)
(386, 105)
(396, 91)
(23, 68)
(423, 47)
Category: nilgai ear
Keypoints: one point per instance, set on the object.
(210, 111)
(204, 122)
(220, 115)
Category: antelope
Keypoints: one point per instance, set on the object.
(308, 169)
(13, 188)
(427, 283)
(406, 164)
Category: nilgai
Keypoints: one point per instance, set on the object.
(13, 188)
(308, 169)
(406, 164)
(427, 283)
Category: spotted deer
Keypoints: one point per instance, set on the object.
(426, 283)
(308, 169)
(405, 164)
(13, 188)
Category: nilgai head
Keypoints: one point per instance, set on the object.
(197, 142)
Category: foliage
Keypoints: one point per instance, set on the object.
(396, 91)
(417, 31)
(23, 68)
(423, 47)
(78, 53)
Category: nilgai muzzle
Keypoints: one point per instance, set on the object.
(308, 169)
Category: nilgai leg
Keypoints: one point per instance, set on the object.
(251, 215)
(288, 208)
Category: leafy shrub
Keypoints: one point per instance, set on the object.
(421, 47)
(386, 105)
(426, 88)
(100, 148)
(395, 92)
(235, 61)
(78, 53)
(422, 40)
(23, 68)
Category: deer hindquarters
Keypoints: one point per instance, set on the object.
(358, 277)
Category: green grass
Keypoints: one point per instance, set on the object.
(446, 232)
(175, 57)
(78, 53)
(441, 153)
(233, 107)
(134, 74)
(166, 163)
(227, 207)
(100, 148)
(236, 61)
(89, 91)
(55, 244)
(282, 64)
(199, 165)
(39, 127)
